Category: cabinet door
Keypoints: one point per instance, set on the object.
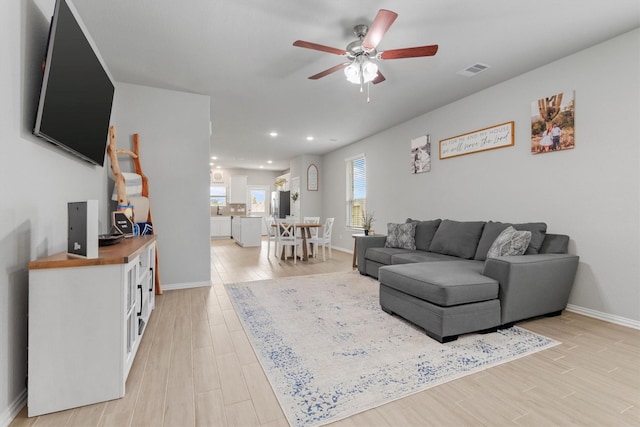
(238, 189)
(225, 227)
(215, 227)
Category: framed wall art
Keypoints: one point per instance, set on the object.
(421, 154)
(552, 123)
(490, 138)
(312, 178)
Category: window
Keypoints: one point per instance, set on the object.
(218, 195)
(258, 198)
(356, 190)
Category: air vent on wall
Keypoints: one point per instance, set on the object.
(473, 70)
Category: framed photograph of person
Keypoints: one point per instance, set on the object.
(552, 123)
(421, 154)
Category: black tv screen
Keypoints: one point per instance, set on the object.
(77, 90)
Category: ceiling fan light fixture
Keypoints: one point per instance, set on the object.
(361, 70)
(352, 72)
(369, 71)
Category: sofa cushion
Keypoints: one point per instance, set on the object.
(510, 242)
(493, 229)
(555, 244)
(383, 255)
(445, 283)
(401, 236)
(425, 230)
(420, 256)
(457, 238)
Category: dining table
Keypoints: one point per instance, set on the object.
(305, 233)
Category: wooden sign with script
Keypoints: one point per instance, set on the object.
(490, 138)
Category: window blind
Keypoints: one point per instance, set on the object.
(357, 193)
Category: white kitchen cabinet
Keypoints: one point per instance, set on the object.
(86, 320)
(220, 226)
(238, 189)
(247, 230)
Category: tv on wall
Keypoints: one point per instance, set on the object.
(77, 89)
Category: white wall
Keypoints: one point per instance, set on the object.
(38, 180)
(590, 193)
(174, 152)
(310, 201)
(254, 177)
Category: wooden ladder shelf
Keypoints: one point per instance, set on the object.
(113, 152)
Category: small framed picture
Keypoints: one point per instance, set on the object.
(312, 178)
(553, 123)
(420, 154)
(123, 224)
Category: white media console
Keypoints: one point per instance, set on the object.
(86, 320)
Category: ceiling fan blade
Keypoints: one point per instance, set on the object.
(409, 52)
(320, 47)
(378, 28)
(378, 79)
(329, 71)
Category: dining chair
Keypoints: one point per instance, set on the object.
(325, 239)
(271, 235)
(313, 232)
(286, 232)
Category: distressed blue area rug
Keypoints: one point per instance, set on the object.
(329, 351)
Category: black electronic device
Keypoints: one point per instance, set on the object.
(82, 237)
(77, 90)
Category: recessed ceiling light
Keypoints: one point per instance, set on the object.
(217, 167)
(309, 138)
(274, 134)
(261, 166)
(269, 161)
(214, 158)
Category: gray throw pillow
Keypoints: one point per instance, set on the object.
(510, 242)
(425, 230)
(493, 229)
(538, 231)
(401, 236)
(457, 238)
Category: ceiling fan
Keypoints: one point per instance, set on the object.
(360, 68)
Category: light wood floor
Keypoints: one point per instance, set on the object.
(195, 367)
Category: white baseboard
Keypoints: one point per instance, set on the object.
(12, 411)
(186, 285)
(337, 248)
(635, 324)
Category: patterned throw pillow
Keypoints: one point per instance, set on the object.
(401, 236)
(510, 242)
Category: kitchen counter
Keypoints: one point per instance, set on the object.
(247, 230)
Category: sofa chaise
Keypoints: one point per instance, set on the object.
(456, 277)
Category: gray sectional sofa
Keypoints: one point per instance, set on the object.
(441, 279)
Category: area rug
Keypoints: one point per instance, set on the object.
(329, 351)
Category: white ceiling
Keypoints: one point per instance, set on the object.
(240, 53)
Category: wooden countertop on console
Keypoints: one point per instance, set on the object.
(120, 253)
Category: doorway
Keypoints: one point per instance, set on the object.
(259, 202)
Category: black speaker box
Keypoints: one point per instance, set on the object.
(82, 238)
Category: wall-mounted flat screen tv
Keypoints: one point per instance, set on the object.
(77, 89)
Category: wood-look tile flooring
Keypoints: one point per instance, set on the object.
(195, 367)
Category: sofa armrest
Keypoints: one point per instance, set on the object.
(532, 285)
(365, 242)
